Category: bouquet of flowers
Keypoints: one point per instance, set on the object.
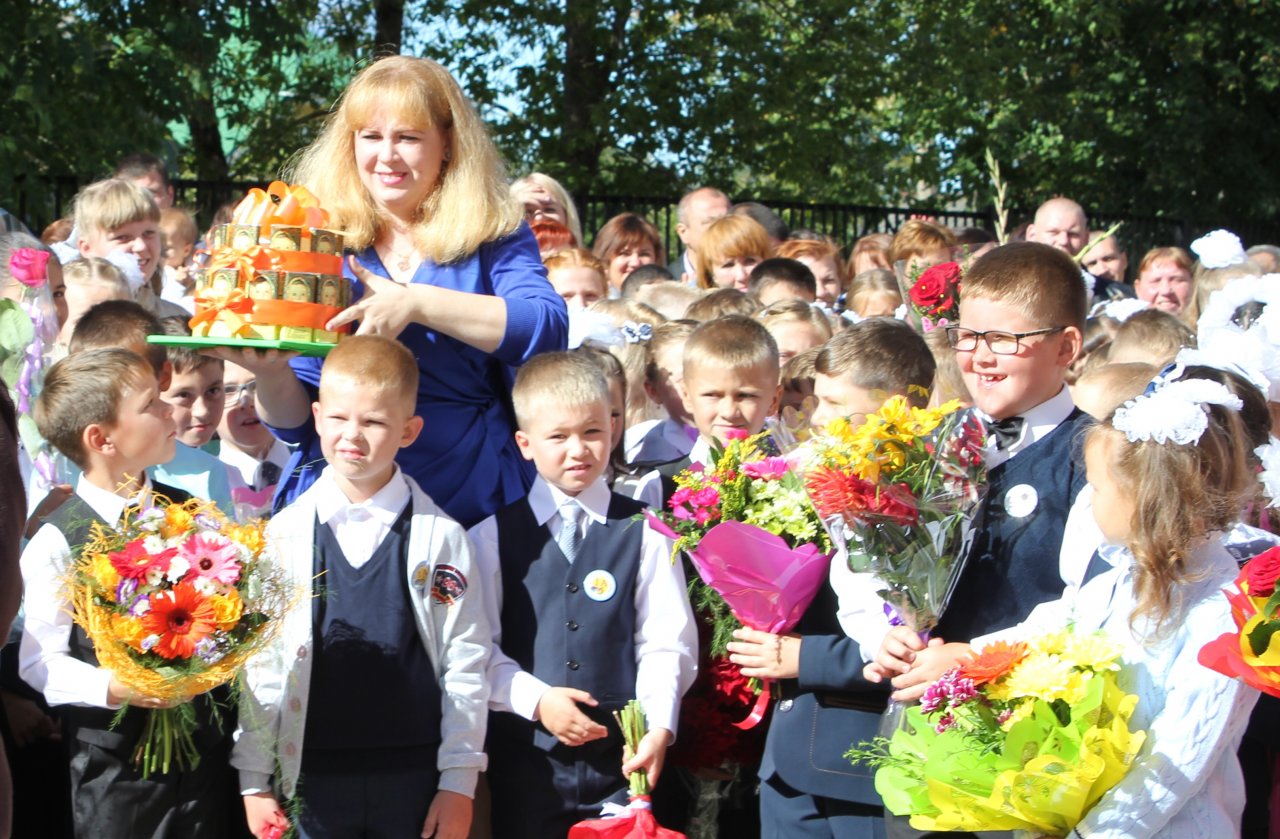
(761, 554)
(1252, 652)
(175, 601)
(932, 294)
(28, 332)
(900, 490)
(635, 821)
(1025, 736)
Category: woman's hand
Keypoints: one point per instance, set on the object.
(763, 655)
(386, 308)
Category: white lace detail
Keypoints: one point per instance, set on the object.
(1174, 412)
(1219, 249)
(1256, 349)
(1270, 476)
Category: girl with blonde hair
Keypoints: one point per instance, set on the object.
(441, 259)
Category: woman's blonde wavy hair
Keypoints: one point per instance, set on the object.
(470, 205)
(1181, 495)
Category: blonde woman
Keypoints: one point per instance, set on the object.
(443, 260)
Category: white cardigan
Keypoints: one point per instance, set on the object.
(273, 711)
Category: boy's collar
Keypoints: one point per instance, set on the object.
(1040, 420)
(545, 500)
(107, 503)
(387, 503)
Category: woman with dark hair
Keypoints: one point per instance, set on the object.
(626, 242)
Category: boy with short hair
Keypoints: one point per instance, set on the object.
(779, 278)
(124, 323)
(588, 609)
(101, 408)
(179, 232)
(254, 459)
(370, 705)
(863, 365)
(1021, 322)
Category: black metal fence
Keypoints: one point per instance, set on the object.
(846, 223)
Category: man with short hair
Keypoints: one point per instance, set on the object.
(694, 215)
(1106, 260)
(148, 172)
(1060, 223)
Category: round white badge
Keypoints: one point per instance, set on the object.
(599, 585)
(1021, 500)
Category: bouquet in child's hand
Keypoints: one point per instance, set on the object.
(932, 294)
(635, 821)
(1025, 736)
(1251, 653)
(175, 601)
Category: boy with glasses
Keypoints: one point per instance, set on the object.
(1022, 314)
(253, 456)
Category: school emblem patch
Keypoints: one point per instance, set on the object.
(420, 572)
(448, 585)
(599, 585)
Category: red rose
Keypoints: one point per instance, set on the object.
(934, 292)
(29, 266)
(1261, 573)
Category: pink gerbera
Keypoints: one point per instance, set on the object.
(135, 561)
(212, 556)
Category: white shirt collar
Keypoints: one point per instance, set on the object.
(1040, 420)
(701, 452)
(106, 503)
(385, 505)
(246, 464)
(545, 500)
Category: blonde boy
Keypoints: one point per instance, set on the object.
(384, 674)
(179, 233)
(102, 410)
(587, 609)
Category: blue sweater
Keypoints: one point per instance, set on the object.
(466, 457)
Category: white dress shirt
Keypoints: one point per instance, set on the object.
(658, 441)
(1186, 781)
(1040, 421)
(666, 638)
(360, 528)
(44, 659)
(242, 468)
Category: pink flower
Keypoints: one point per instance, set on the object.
(705, 497)
(29, 266)
(134, 562)
(769, 469)
(945, 723)
(736, 434)
(212, 556)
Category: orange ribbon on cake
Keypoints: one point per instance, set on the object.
(280, 203)
(232, 308)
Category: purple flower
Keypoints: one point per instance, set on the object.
(946, 723)
(935, 696)
(127, 588)
(1003, 716)
(962, 691)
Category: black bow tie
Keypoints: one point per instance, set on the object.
(1006, 431)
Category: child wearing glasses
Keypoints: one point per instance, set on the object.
(1021, 319)
(254, 458)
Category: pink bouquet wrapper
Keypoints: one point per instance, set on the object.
(767, 583)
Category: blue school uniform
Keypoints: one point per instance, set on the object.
(466, 459)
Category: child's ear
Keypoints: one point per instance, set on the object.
(1070, 347)
(777, 400)
(95, 439)
(412, 428)
(524, 444)
(315, 414)
(165, 379)
(683, 390)
(651, 392)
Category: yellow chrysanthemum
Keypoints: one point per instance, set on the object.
(1091, 652)
(177, 520)
(129, 630)
(1052, 643)
(105, 574)
(227, 609)
(249, 535)
(1047, 677)
(1020, 712)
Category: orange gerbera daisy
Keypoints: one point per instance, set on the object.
(993, 662)
(181, 617)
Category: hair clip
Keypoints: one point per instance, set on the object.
(636, 332)
(1173, 412)
(1119, 310)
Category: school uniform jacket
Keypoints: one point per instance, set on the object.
(453, 628)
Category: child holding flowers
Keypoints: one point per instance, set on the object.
(102, 410)
(1169, 474)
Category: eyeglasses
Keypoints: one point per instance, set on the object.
(1000, 343)
(235, 393)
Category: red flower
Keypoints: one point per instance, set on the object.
(134, 561)
(934, 293)
(181, 617)
(833, 491)
(896, 503)
(1261, 573)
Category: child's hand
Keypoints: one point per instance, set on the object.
(930, 663)
(897, 652)
(651, 751)
(763, 655)
(449, 816)
(120, 694)
(263, 812)
(558, 711)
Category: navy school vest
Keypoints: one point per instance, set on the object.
(554, 623)
(372, 688)
(1013, 563)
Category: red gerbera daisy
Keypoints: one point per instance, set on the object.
(834, 491)
(134, 561)
(181, 617)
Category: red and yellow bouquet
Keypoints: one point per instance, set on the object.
(1251, 653)
(175, 601)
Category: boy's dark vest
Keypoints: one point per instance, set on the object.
(552, 628)
(373, 693)
(74, 519)
(1013, 564)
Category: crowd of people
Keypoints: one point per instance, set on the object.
(460, 482)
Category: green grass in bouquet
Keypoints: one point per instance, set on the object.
(1025, 736)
